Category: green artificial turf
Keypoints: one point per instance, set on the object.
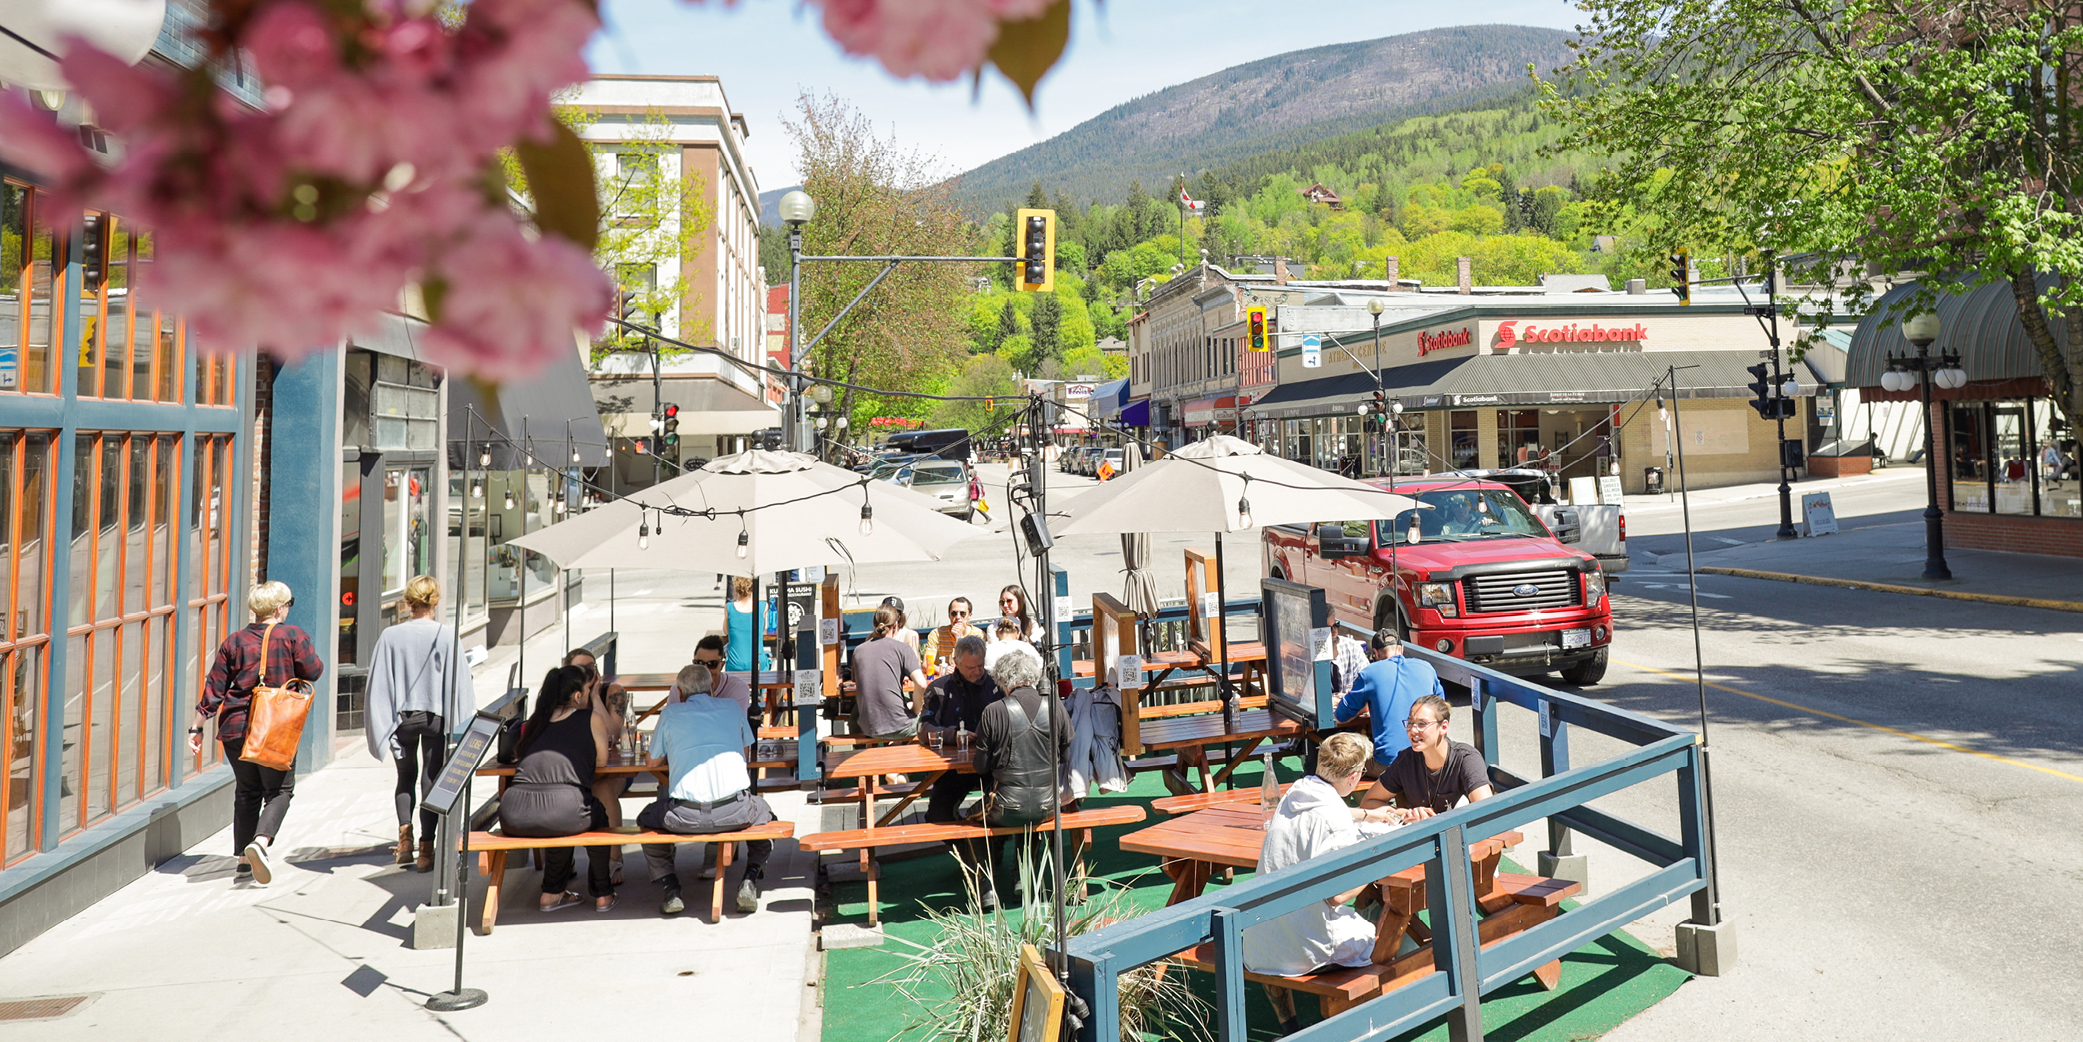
(1603, 984)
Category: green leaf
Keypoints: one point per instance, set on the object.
(560, 177)
(1027, 49)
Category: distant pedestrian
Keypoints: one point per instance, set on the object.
(417, 691)
(261, 795)
(743, 641)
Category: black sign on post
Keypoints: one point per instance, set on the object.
(451, 793)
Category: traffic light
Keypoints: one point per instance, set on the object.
(1255, 328)
(642, 446)
(1681, 274)
(94, 251)
(1761, 391)
(1037, 250)
(669, 444)
(625, 306)
(990, 404)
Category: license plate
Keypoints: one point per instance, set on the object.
(1576, 639)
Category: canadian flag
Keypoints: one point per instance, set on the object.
(1189, 201)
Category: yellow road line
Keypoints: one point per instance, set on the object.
(1913, 591)
(1863, 723)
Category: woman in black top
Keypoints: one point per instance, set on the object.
(551, 794)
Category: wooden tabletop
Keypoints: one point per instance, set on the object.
(1232, 833)
(901, 758)
(1207, 729)
(770, 679)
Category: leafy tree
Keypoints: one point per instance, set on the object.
(1047, 319)
(982, 375)
(1477, 219)
(1935, 136)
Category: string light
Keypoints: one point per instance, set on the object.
(574, 455)
(484, 459)
(643, 533)
(744, 543)
(1663, 415)
(509, 499)
(1244, 504)
(867, 512)
(477, 490)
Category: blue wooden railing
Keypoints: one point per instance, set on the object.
(1464, 970)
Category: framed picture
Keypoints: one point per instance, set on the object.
(1037, 1001)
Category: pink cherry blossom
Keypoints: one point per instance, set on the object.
(511, 304)
(939, 40)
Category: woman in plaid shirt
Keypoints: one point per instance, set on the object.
(262, 794)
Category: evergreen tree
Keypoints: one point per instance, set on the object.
(1036, 198)
(1008, 323)
(1048, 327)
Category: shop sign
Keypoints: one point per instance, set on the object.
(1478, 399)
(1565, 396)
(1509, 333)
(1312, 352)
(10, 361)
(1430, 342)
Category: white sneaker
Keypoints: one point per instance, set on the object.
(263, 865)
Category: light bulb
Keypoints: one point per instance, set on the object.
(477, 491)
(643, 537)
(744, 543)
(1243, 512)
(867, 519)
(1615, 468)
(574, 456)
(560, 506)
(1791, 389)
(509, 499)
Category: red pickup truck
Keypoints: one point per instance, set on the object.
(1477, 575)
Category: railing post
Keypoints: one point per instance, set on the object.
(1706, 943)
(1558, 861)
(1229, 980)
(1095, 982)
(1484, 705)
(1450, 893)
(1059, 621)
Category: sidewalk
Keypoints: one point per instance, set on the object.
(1886, 552)
(323, 953)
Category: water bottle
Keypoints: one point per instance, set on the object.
(961, 737)
(1268, 794)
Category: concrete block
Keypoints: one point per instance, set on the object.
(1708, 951)
(847, 935)
(434, 926)
(1574, 867)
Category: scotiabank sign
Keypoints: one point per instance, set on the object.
(1430, 342)
(1517, 332)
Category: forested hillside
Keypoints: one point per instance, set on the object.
(1274, 104)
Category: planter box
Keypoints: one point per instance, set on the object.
(1839, 466)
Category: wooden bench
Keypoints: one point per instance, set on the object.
(1532, 901)
(492, 848)
(865, 840)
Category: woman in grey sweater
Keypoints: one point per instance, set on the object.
(408, 717)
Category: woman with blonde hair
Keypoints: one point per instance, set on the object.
(261, 795)
(419, 689)
(742, 631)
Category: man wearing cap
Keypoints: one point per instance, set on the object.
(1386, 689)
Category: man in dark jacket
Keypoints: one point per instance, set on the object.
(1022, 744)
(955, 702)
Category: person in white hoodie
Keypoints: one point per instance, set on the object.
(1314, 819)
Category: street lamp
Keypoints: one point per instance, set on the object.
(797, 209)
(1374, 308)
(1922, 330)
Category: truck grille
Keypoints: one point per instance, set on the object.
(1495, 593)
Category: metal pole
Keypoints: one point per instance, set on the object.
(657, 424)
(459, 997)
(1786, 493)
(1699, 672)
(1378, 402)
(789, 416)
(1934, 520)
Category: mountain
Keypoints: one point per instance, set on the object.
(1274, 103)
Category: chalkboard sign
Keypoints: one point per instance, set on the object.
(1037, 1001)
(1819, 516)
(478, 740)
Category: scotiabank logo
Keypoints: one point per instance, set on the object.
(1430, 342)
(1508, 334)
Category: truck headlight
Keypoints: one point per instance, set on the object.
(1594, 587)
(1440, 597)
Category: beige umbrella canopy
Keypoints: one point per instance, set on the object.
(1138, 587)
(809, 514)
(1199, 489)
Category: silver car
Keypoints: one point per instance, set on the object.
(944, 480)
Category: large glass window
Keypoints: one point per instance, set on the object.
(30, 259)
(1518, 436)
(210, 530)
(119, 682)
(2013, 457)
(408, 543)
(26, 503)
(1461, 426)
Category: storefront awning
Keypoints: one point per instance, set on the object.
(1108, 399)
(1136, 414)
(1211, 410)
(1981, 326)
(1518, 379)
(526, 423)
(708, 406)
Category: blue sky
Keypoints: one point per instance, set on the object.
(768, 51)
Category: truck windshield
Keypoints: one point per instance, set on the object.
(937, 474)
(1464, 514)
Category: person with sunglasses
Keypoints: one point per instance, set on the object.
(708, 653)
(941, 646)
(1435, 774)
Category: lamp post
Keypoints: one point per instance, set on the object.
(1922, 371)
(1374, 309)
(797, 209)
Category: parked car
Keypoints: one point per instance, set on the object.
(1112, 458)
(1088, 460)
(945, 480)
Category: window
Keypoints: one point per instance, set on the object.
(2013, 457)
(404, 407)
(1518, 429)
(211, 526)
(26, 504)
(1461, 426)
(119, 637)
(30, 256)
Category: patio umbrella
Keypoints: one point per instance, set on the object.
(1224, 484)
(810, 515)
(1138, 589)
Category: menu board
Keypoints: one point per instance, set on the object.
(1296, 628)
(470, 752)
(1037, 1014)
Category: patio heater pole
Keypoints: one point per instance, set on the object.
(1037, 471)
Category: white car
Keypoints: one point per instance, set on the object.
(944, 480)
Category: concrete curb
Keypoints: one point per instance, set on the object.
(1914, 591)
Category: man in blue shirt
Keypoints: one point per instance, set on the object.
(702, 742)
(1386, 689)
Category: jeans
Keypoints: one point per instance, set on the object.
(260, 797)
(691, 819)
(421, 747)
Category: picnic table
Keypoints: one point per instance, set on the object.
(1193, 846)
(1189, 736)
(773, 687)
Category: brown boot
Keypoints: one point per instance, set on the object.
(404, 845)
(425, 863)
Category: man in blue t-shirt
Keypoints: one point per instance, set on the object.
(1386, 689)
(702, 742)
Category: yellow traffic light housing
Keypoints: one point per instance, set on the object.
(1034, 238)
(1681, 274)
(1255, 328)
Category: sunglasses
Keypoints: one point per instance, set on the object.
(958, 615)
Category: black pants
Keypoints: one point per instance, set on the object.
(421, 748)
(260, 796)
